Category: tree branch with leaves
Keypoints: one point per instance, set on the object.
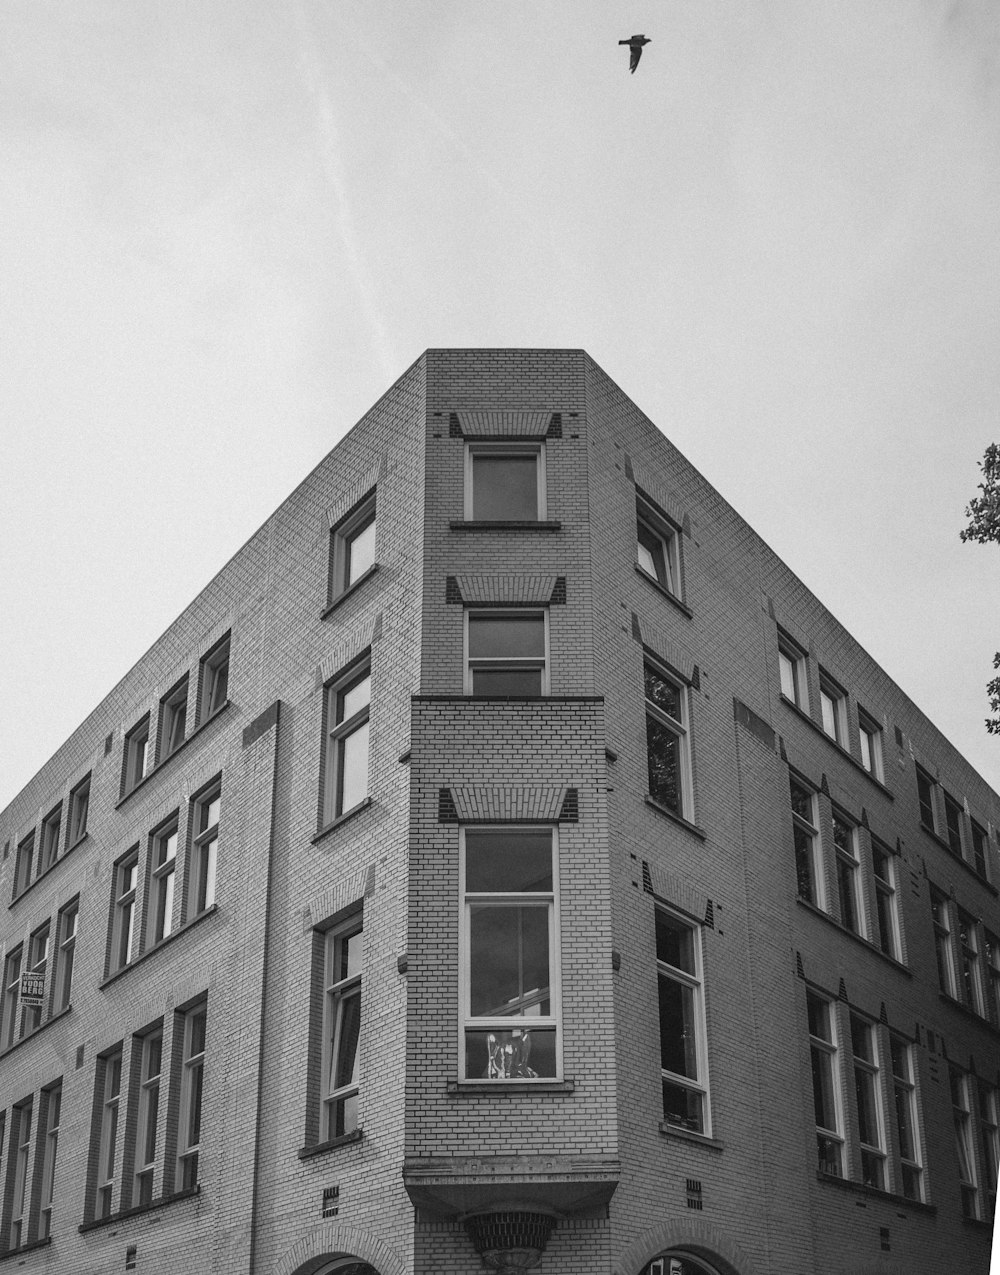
(983, 513)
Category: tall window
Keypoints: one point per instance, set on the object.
(989, 1136)
(150, 1062)
(826, 1084)
(962, 1113)
(51, 830)
(925, 799)
(792, 671)
(905, 1101)
(206, 844)
(683, 1065)
(992, 945)
(110, 1081)
(192, 1089)
(978, 848)
(833, 708)
(21, 1147)
(52, 1099)
(342, 1029)
(510, 994)
(352, 547)
(885, 901)
(65, 952)
(953, 824)
(38, 960)
(347, 711)
(808, 871)
(870, 735)
(123, 919)
(214, 679)
(506, 653)
(79, 807)
(845, 842)
(871, 1121)
(941, 917)
(163, 865)
(22, 868)
(971, 981)
(11, 995)
(657, 549)
(173, 718)
(505, 482)
(136, 756)
(667, 743)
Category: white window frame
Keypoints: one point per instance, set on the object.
(48, 849)
(339, 993)
(214, 679)
(867, 1075)
(53, 1110)
(905, 1099)
(343, 537)
(931, 799)
(953, 830)
(173, 719)
(695, 983)
(339, 729)
(886, 902)
(943, 923)
(829, 1048)
(989, 1141)
(161, 901)
(24, 863)
(137, 758)
(38, 963)
(965, 1149)
(11, 994)
(679, 728)
(107, 1160)
(516, 448)
(847, 859)
(123, 936)
(793, 672)
(79, 808)
(808, 828)
(20, 1208)
(512, 1024)
(979, 845)
(68, 919)
(151, 1061)
(870, 737)
(991, 945)
(205, 847)
(192, 1100)
(485, 662)
(833, 708)
(970, 953)
(666, 537)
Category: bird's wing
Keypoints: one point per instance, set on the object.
(633, 61)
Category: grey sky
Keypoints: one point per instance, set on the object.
(228, 227)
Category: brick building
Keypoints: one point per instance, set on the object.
(504, 855)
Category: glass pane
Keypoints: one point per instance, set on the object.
(823, 1089)
(353, 698)
(802, 804)
(510, 1055)
(663, 750)
(675, 943)
(866, 749)
(653, 555)
(911, 1182)
(683, 1107)
(149, 1141)
(804, 864)
(509, 961)
(864, 1084)
(845, 885)
(829, 714)
(678, 1045)
(819, 1018)
(353, 785)
(786, 667)
(498, 637)
(505, 488)
(345, 1116)
(360, 552)
(350, 950)
(500, 682)
(666, 695)
(507, 862)
(197, 1037)
(861, 1039)
(886, 935)
(210, 813)
(345, 1065)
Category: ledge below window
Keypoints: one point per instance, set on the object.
(689, 1135)
(676, 818)
(665, 592)
(887, 1197)
(158, 947)
(837, 747)
(508, 1088)
(165, 761)
(23, 1040)
(335, 823)
(51, 868)
(473, 525)
(140, 1209)
(953, 855)
(852, 934)
(351, 589)
(345, 1140)
(25, 1248)
(969, 1013)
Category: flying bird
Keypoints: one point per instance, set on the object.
(635, 43)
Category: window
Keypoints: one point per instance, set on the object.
(173, 719)
(79, 806)
(792, 671)
(22, 868)
(971, 980)
(192, 1089)
(953, 824)
(505, 482)
(871, 1120)
(683, 1066)
(989, 1137)
(979, 843)
(925, 799)
(962, 1115)
(123, 920)
(870, 735)
(38, 959)
(150, 1062)
(808, 871)
(833, 708)
(11, 995)
(507, 653)
(64, 956)
(109, 1072)
(845, 842)
(52, 1100)
(992, 945)
(667, 745)
(347, 710)
(905, 1102)
(510, 991)
(941, 917)
(49, 848)
(657, 549)
(206, 843)
(21, 1146)
(826, 1084)
(163, 864)
(136, 758)
(885, 901)
(341, 1029)
(214, 679)
(352, 548)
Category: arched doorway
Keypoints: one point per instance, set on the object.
(677, 1263)
(347, 1266)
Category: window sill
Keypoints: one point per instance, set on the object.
(969, 1013)
(331, 1144)
(665, 592)
(341, 819)
(852, 934)
(978, 1224)
(158, 947)
(839, 748)
(25, 1248)
(675, 818)
(140, 1209)
(349, 591)
(870, 1192)
(471, 524)
(689, 1135)
(51, 868)
(508, 1088)
(956, 858)
(164, 762)
(36, 1032)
